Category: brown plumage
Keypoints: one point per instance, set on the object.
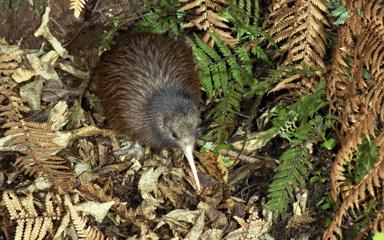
(150, 91)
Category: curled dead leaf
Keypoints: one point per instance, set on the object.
(44, 31)
(95, 209)
(58, 115)
(31, 93)
(255, 141)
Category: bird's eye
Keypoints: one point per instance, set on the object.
(174, 135)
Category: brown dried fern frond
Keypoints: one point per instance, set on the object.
(78, 222)
(30, 223)
(10, 56)
(296, 80)
(371, 43)
(373, 11)
(337, 79)
(355, 83)
(95, 234)
(9, 53)
(365, 126)
(299, 26)
(378, 223)
(38, 143)
(96, 193)
(358, 102)
(11, 105)
(77, 7)
(83, 232)
(372, 183)
(207, 18)
(39, 218)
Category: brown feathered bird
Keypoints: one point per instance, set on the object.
(150, 92)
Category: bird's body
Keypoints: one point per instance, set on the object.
(150, 91)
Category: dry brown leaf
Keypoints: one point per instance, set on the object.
(197, 228)
(149, 191)
(95, 209)
(301, 215)
(58, 116)
(254, 141)
(44, 31)
(212, 234)
(179, 220)
(31, 93)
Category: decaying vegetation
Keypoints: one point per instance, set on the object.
(279, 78)
(356, 85)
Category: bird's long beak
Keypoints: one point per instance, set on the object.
(188, 153)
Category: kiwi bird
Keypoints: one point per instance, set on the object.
(150, 92)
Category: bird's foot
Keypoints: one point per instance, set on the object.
(135, 151)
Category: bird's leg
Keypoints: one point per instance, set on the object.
(136, 151)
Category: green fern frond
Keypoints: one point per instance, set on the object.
(300, 123)
(247, 11)
(245, 59)
(204, 57)
(260, 54)
(294, 166)
(207, 49)
(161, 18)
(235, 69)
(225, 51)
(226, 111)
(222, 77)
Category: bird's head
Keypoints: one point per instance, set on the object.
(177, 121)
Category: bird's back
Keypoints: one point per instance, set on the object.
(136, 69)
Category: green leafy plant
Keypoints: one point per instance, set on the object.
(339, 11)
(161, 18)
(246, 10)
(224, 73)
(365, 158)
(294, 166)
(302, 124)
(378, 236)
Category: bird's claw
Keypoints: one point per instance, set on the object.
(135, 151)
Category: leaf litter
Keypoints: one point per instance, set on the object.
(125, 198)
